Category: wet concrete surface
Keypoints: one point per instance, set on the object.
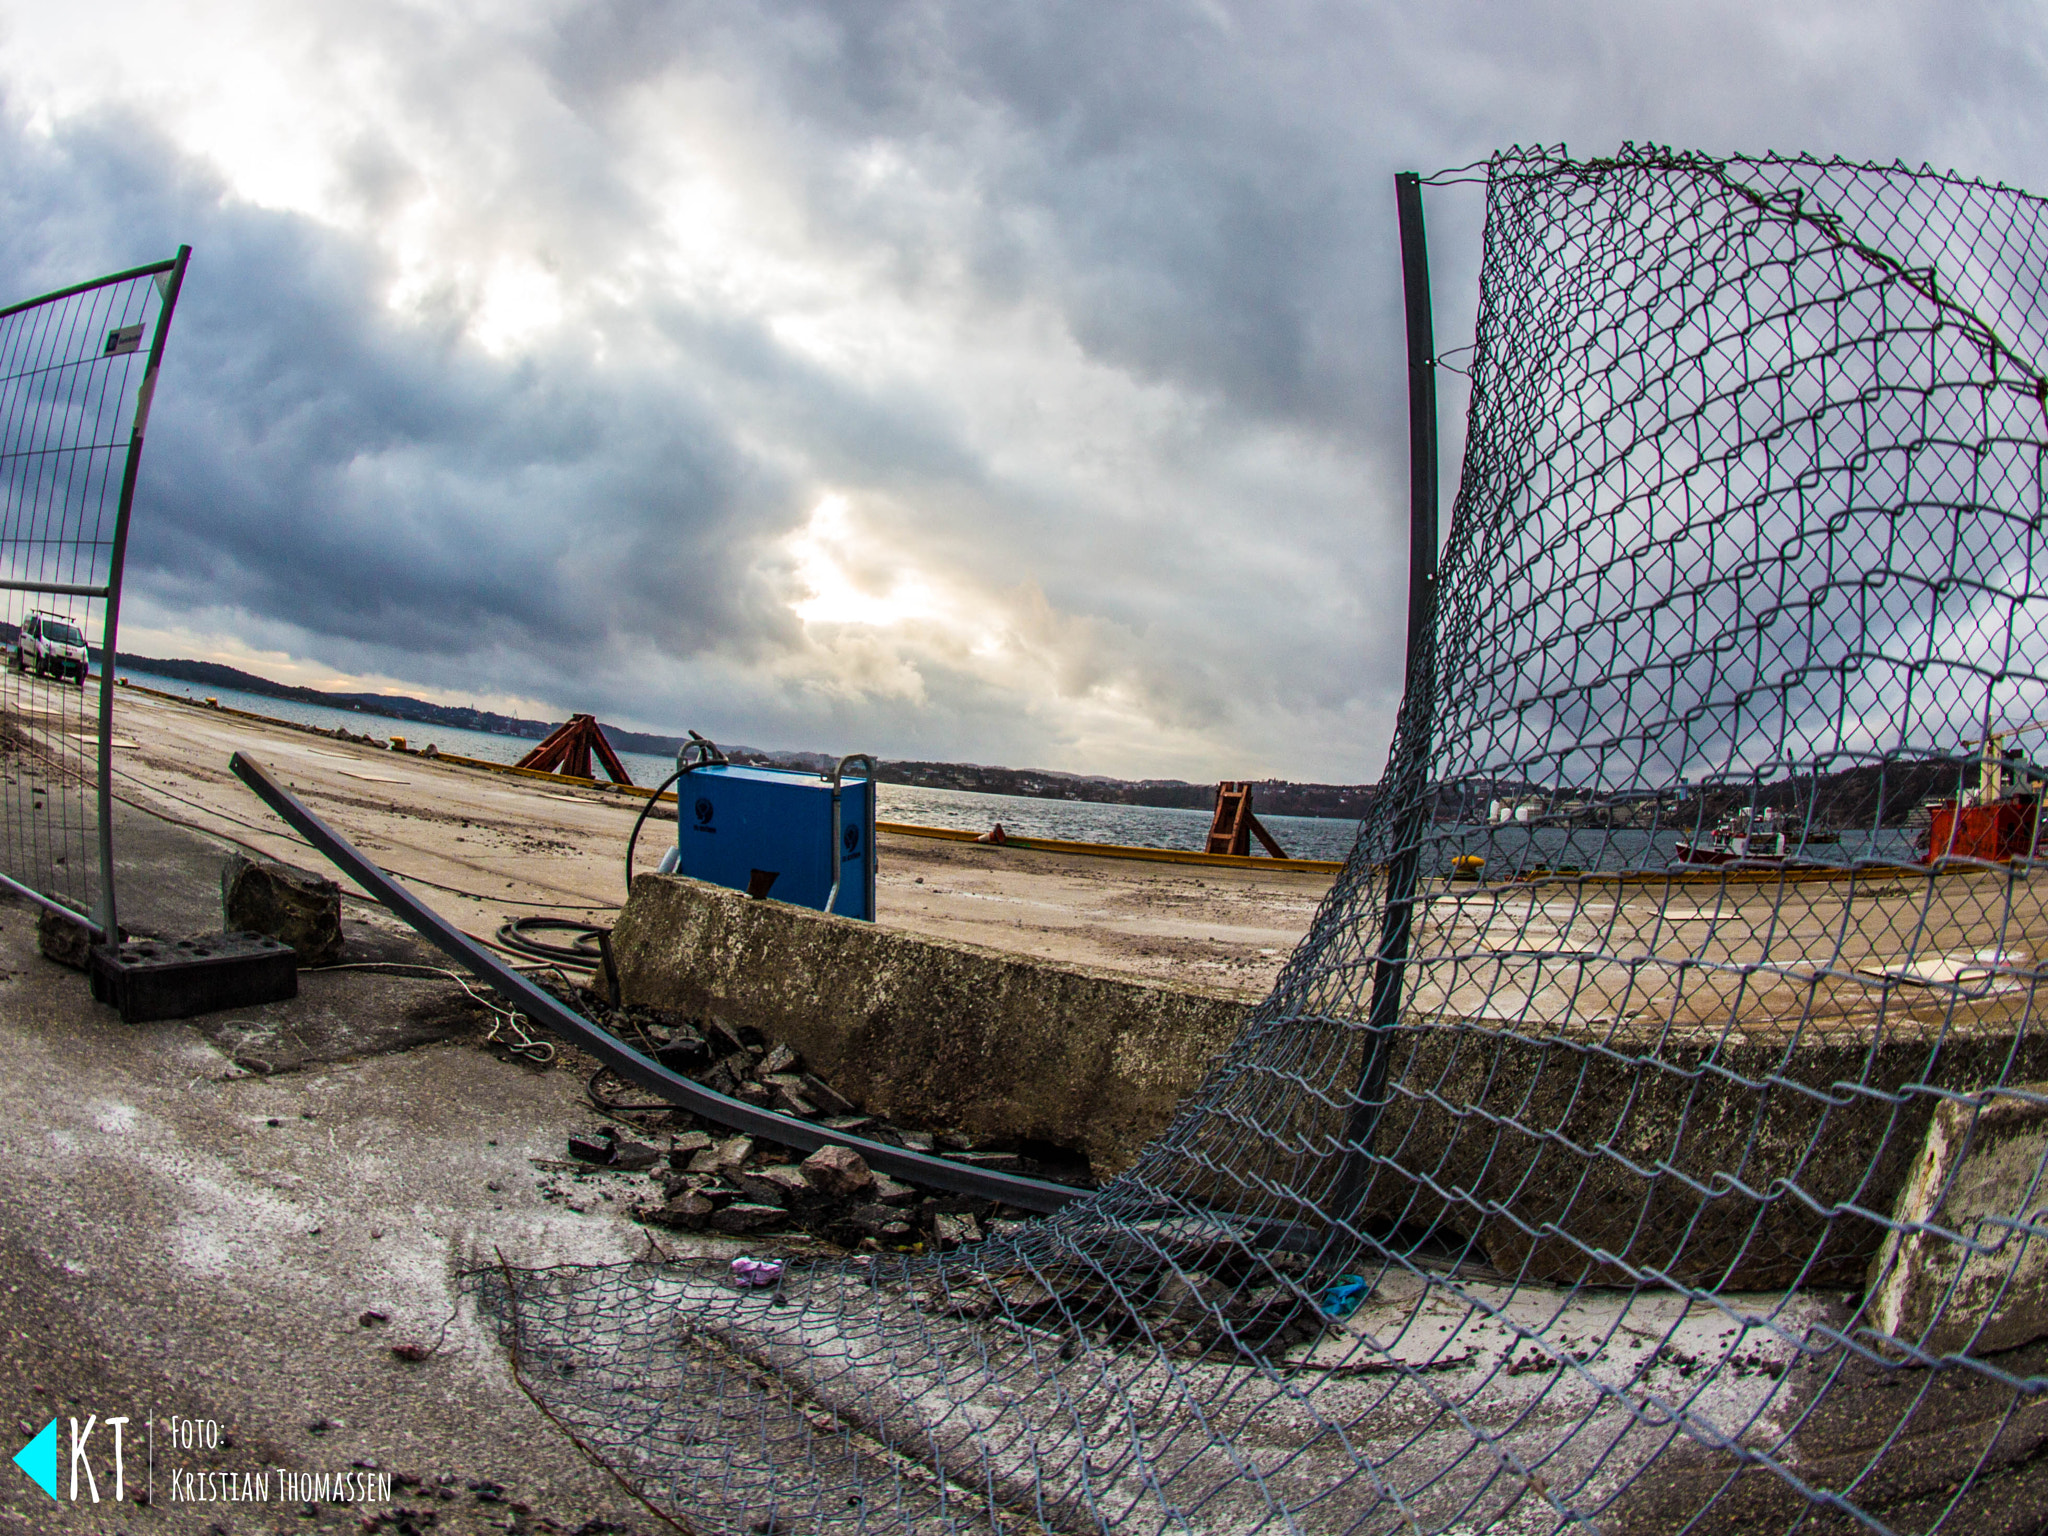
(181, 1236)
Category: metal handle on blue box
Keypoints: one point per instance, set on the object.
(832, 896)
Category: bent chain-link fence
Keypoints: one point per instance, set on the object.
(1681, 1168)
(77, 372)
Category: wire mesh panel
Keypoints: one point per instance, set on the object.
(77, 371)
(1682, 1167)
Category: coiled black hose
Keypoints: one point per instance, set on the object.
(590, 949)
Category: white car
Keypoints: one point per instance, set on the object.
(53, 645)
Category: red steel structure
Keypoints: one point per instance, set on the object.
(567, 750)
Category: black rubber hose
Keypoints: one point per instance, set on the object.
(641, 821)
(586, 949)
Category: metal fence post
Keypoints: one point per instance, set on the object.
(168, 284)
(1411, 782)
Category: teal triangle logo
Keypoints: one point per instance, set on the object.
(39, 1459)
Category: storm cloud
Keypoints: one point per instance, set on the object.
(1010, 383)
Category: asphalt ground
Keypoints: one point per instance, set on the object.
(186, 1238)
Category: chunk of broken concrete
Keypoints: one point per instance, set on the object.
(686, 1146)
(825, 1096)
(1977, 1176)
(688, 1211)
(888, 1192)
(591, 1149)
(780, 1059)
(673, 1184)
(838, 1172)
(63, 939)
(779, 1184)
(747, 1216)
(724, 1156)
(874, 1219)
(293, 906)
(634, 1155)
(952, 1231)
(788, 1103)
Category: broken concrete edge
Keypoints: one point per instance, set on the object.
(545, 1010)
(1980, 1176)
(932, 1031)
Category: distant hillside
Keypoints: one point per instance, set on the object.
(211, 674)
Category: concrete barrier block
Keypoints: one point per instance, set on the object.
(928, 1031)
(1979, 1176)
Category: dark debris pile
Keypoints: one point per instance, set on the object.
(1189, 1290)
(711, 1179)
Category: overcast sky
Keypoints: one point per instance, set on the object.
(1012, 383)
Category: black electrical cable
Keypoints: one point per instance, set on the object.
(515, 934)
(707, 752)
(641, 821)
(591, 948)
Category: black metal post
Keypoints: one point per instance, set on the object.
(1411, 775)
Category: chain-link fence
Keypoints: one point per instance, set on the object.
(77, 371)
(1650, 1133)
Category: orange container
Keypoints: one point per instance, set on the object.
(1994, 832)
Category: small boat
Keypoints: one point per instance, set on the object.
(1742, 838)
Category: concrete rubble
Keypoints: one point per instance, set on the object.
(710, 1179)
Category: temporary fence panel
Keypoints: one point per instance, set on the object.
(78, 369)
(1665, 1154)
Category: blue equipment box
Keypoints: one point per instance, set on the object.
(771, 832)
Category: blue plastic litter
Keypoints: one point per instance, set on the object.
(1345, 1296)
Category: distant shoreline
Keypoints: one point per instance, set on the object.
(1276, 797)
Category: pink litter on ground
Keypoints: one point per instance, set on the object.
(756, 1272)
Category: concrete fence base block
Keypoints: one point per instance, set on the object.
(927, 1031)
(1980, 1175)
